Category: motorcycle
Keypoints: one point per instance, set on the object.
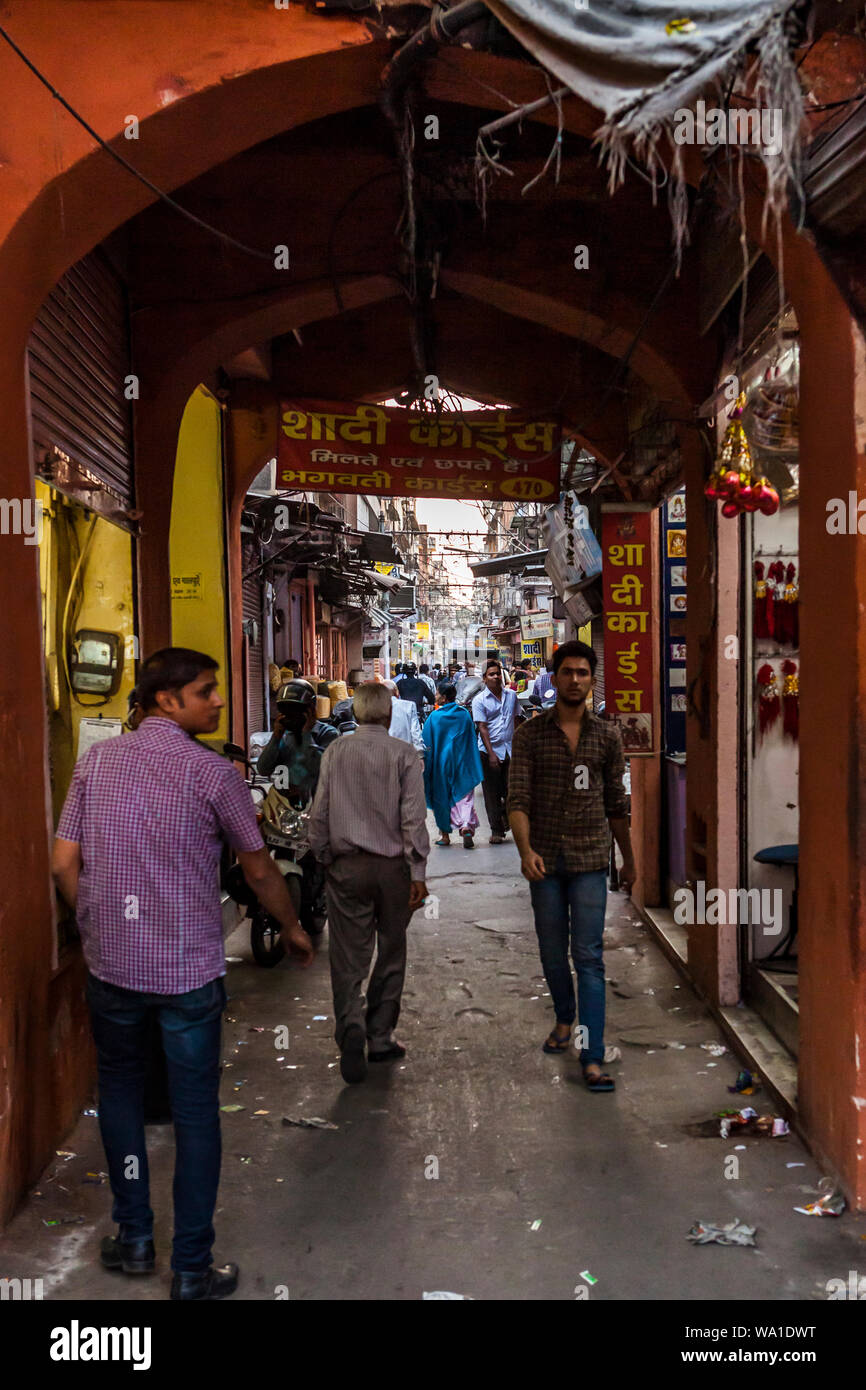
(284, 824)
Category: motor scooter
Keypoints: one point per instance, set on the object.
(284, 824)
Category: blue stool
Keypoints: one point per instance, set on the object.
(783, 857)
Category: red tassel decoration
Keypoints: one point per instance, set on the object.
(775, 583)
(791, 700)
(768, 698)
(760, 609)
(792, 607)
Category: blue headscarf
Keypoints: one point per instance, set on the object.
(452, 767)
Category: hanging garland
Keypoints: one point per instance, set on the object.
(734, 481)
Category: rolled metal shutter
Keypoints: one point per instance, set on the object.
(597, 642)
(78, 360)
(254, 648)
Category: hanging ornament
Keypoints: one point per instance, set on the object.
(791, 605)
(759, 611)
(768, 698)
(734, 480)
(775, 601)
(791, 700)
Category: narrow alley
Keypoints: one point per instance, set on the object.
(540, 1183)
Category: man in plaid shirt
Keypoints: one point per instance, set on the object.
(564, 788)
(137, 855)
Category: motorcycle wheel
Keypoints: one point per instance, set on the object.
(314, 919)
(268, 950)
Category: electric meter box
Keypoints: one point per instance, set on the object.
(96, 662)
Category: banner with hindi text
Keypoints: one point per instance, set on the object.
(628, 635)
(390, 451)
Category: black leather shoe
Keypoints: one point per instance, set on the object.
(392, 1053)
(132, 1256)
(216, 1282)
(353, 1063)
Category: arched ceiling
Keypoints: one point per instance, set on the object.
(512, 317)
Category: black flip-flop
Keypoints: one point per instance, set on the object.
(602, 1082)
(560, 1044)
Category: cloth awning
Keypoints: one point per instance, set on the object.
(506, 564)
(651, 55)
(379, 547)
(384, 581)
(643, 64)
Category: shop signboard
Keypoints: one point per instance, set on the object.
(342, 446)
(536, 625)
(628, 654)
(532, 651)
(674, 621)
(422, 632)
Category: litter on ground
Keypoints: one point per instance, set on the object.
(832, 1203)
(734, 1233)
(313, 1122)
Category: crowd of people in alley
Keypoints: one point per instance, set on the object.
(143, 830)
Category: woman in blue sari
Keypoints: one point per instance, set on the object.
(452, 768)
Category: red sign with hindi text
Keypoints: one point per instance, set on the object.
(389, 451)
(628, 637)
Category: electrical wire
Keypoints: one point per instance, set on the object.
(77, 574)
(130, 168)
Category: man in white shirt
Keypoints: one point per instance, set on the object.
(405, 723)
(495, 710)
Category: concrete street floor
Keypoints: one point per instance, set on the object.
(479, 1165)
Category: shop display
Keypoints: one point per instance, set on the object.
(774, 412)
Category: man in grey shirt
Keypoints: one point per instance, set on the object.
(368, 827)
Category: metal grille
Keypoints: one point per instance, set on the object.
(78, 359)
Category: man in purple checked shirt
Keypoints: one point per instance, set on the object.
(137, 855)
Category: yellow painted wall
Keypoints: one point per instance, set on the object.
(196, 541)
(103, 599)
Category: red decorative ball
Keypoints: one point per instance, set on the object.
(730, 481)
(769, 502)
(710, 490)
(730, 508)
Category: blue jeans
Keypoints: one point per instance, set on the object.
(191, 1027)
(582, 897)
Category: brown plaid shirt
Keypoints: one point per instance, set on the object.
(562, 818)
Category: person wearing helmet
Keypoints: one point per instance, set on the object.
(294, 752)
(413, 688)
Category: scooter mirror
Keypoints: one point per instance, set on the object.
(232, 751)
